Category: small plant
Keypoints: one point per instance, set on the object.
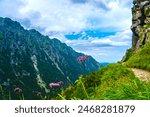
(83, 87)
(63, 98)
(82, 59)
(19, 92)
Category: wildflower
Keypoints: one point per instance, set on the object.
(57, 84)
(82, 58)
(38, 93)
(18, 90)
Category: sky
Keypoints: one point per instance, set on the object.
(100, 28)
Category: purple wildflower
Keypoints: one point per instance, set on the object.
(18, 90)
(57, 84)
(82, 58)
(38, 93)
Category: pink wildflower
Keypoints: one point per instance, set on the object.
(82, 58)
(57, 84)
(38, 93)
(18, 90)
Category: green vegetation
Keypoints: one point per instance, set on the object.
(127, 55)
(147, 11)
(9, 95)
(1, 36)
(144, 33)
(113, 82)
(141, 59)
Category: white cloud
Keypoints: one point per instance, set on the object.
(122, 38)
(110, 48)
(66, 16)
(9, 8)
(59, 17)
(119, 39)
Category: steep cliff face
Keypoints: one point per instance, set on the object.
(140, 23)
(139, 55)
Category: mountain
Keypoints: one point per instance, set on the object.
(31, 61)
(104, 64)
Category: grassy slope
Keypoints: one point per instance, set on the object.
(114, 81)
(141, 59)
(111, 82)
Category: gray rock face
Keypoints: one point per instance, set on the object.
(140, 23)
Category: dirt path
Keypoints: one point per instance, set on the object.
(142, 74)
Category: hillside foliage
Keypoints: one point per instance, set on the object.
(141, 59)
(113, 82)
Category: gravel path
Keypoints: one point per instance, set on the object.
(142, 74)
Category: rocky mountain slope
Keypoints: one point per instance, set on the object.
(140, 23)
(140, 27)
(31, 61)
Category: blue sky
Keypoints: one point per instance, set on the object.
(100, 28)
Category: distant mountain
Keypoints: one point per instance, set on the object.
(31, 61)
(104, 64)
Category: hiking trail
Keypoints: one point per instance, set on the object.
(141, 74)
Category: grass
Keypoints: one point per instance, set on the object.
(113, 82)
(127, 55)
(141, 59)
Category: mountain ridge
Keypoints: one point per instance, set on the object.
(31, 61)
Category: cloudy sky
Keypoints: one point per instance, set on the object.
(100, 28)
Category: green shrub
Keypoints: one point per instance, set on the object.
(127, 55)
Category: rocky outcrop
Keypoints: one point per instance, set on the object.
(140, 23)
